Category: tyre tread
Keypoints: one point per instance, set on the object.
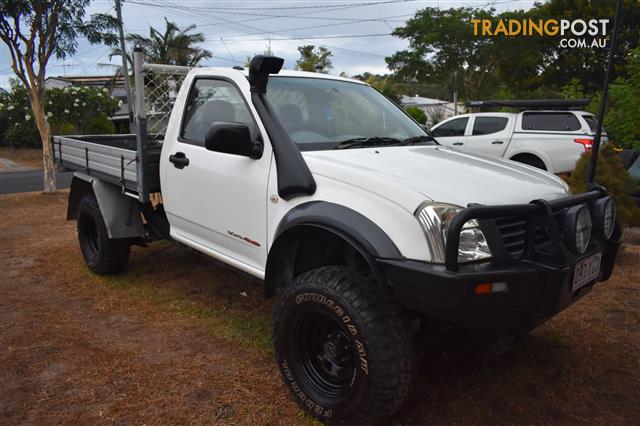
(389, 348)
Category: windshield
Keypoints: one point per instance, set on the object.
(326, 114)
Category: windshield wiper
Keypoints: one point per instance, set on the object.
(370, 141)
(417, 139)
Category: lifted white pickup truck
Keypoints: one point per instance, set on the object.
(324, 189)
(551, 140)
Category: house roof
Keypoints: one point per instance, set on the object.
(92, 80)
(421, 101)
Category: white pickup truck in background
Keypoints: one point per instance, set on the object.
(551, 140)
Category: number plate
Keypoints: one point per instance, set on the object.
(586, 271)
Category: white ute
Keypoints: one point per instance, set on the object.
(550, 140)
(363, 226)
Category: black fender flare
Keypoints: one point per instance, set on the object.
(122, 214)
(360, 232)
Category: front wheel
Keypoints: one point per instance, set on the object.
(344, 351)
(103, 255)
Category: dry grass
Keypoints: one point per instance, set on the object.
(174, 341)
(28, 157)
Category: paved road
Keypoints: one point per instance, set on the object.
(30, 181)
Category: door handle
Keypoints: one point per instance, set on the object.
(179, 160)
(497, 142)
(458, 143)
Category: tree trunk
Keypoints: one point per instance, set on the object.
(37, 105)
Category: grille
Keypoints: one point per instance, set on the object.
(513, 231)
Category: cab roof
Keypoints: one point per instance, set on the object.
(282, 73)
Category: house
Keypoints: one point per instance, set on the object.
(114, 84)
(435, 109)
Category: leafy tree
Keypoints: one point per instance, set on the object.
(312, 59)
(417, 114)
(442, 45)
(573, 90)
(175, 46)
(444, 49)
(623, 118)
(382, 83)
(612, 175)
(34, 31)
(559, 65)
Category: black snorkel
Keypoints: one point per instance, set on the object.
(294, 177)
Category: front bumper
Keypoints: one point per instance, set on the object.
(539, 281)
(535, 292)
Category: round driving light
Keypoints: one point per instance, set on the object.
(605, 216)
(577, 228)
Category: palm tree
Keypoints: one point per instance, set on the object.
(175, 47)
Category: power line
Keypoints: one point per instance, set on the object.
(186, 11)
(311, 37)
(325, 18)
(325, 6)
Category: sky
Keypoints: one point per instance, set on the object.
(356, 31)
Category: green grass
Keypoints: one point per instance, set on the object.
(143, 282)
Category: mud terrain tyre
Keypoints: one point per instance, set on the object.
(344, 351)
(103, 255)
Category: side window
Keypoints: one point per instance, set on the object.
(488, 125)
(554, 121)
(210, 101)
(451, 128)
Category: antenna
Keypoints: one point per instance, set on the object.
(591, 171)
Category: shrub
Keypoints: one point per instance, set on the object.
(15, 113)
(100, 125)
(417, 114)
(70, 110)
(64, 128)
(611, 174)
(22, 135)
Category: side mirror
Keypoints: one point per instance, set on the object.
(232, 138)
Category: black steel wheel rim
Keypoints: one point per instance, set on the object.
(324, 356)
(90, 228)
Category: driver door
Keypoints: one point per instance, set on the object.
(452, 132)
(216, 202)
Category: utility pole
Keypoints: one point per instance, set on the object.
(455, 92)
(125, 65)
(595, 148)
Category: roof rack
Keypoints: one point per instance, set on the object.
(532, 103)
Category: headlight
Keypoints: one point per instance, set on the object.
(435, 219)
(605, 217)
(577, 228)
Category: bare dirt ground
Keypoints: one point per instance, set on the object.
(28, 157)
(181, 340)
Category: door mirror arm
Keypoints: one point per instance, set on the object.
(257, 148)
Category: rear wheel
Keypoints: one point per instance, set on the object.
(103, 255)
(531, 160)
(344, 351)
